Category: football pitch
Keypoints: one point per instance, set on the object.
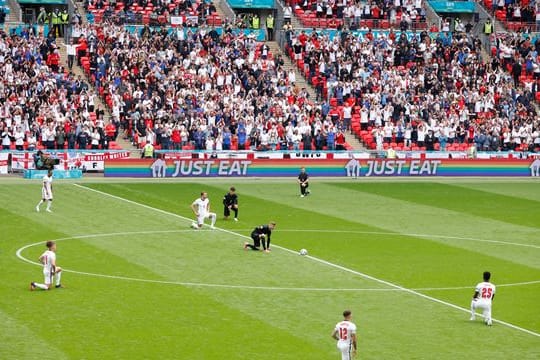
(404, 256)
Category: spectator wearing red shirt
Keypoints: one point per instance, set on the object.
(340, 140)
(53, 61)
(82, 47)
(110, 132)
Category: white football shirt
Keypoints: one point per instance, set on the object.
(345, 329)
(202, 205)
(486, 291)
(47, 182)
(48, 258)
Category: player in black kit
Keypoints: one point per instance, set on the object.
(230, 202)
(303, 180)
(261, 234)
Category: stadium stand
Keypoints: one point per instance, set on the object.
(397, 14)
(155, 12)
(201, 90)
(44, 106)
(421, 93)
(516, 15)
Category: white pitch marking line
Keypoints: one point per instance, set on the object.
(366, 276)
(404, 234)
(228, 286)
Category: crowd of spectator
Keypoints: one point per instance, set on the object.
(42, 106)
(405, 14)
(516, 14)
(204, 90)
(423, 92)
(153, 12)
(212, 90)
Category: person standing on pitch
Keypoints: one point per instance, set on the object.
(201, 209)
(345, 334)
(46, 191)
(261, 234)
(50, 270)
(482, 298)
(303, 181)
(230, 202)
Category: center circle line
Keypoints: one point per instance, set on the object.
(229, 286)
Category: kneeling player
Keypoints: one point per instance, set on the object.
(483, 295)
(201, 209)
(261, 234)
(50, 270)
(230, 202)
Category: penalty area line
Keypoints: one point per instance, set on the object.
(319, 260)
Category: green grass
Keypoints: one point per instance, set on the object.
(141, 285)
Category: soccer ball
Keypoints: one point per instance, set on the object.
(303, 252)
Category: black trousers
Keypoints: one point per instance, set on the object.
(304, 189)
(227, 211)
(71, 59)
(257, 242)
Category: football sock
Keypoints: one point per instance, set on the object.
(49, 203)
(213, 219)
(41, 286)
(235, 212)
(40, 202)
(252, 247)
(58, 277)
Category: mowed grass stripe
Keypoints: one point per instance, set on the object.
(365, 245)
(21, 341)
(401, 258)
(381, 317)
(331, 264)
(96, 311)
(528, 190)
(514, 210)
(403, 217)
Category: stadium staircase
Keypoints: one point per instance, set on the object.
(301, 82)
(99, 103)
(15, 14)
(223, 9)
(79, 5)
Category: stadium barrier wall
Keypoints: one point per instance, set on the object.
(85, 161)
(265, 164)
(57, 174)
(327, 167)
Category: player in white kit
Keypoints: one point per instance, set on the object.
(482, 298)
(46, 191)
(50, 270)
(201, 208)
(345, 334)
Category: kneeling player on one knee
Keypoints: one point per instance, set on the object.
(484, 293)
(201, 209)
(261, 235)
(50, 270)
(230, 203)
